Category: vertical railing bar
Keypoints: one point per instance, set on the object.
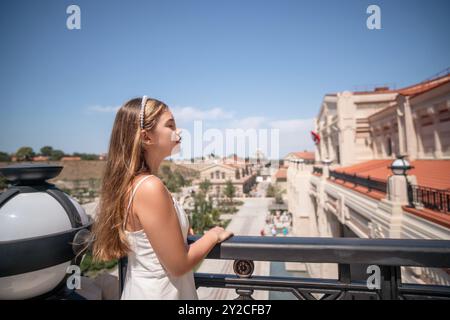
(122, 268)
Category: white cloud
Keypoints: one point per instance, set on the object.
(249, 122)
(186, 114)
(294, 134)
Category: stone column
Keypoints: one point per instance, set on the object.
(396, 198)
(397, 190)
(330, 154)
(347, 125)
(410, 134)
(325, 172)
(437, 141)
(401, 130)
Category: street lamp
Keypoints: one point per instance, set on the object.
(327, 161)
(302, 161)
(326, 171)
(400, 166)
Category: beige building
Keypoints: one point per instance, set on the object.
(359, 126)
(357, 195)
(219, 174)
(280, 176)
(242, 175)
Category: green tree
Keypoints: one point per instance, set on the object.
(3, 183)
(90, 266)
(25, 154)
(205, 185)
(5, 157)
(202, 217)
(273, 191)
(181, 181)
(279, 198)
(46, 151)
(165, 170)
(173, 180)
(229, 191)
(56, 155)
(169, 179)
(86, 156)
(270, 192)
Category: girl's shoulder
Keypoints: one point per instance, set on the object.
(148, 182)
(152, 192)
(145, 176)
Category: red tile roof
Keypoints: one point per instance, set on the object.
(412, 90)
(374, 194)
(429, 173)
(424, 86)
(281, 174)
(304, 155)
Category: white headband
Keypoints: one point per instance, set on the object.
(141, 114)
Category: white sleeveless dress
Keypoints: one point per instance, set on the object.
(146, 278)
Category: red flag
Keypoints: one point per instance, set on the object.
(315, 136)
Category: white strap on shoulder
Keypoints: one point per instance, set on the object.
(131, 198)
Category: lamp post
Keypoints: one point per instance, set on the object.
(400, 167)
(327, 162)
(302, 161)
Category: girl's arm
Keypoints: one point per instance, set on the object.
(154, 208)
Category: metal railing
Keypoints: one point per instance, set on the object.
(386, 255)
(434, 199)
(318, 170)
(367, 182)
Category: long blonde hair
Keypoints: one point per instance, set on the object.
(125, 161)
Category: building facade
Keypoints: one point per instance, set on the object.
(355, 194)
(360, 126)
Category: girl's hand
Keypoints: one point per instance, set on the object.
(221, 234)
(225, 235)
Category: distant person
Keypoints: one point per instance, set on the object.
(274, 231)
(262, 232)
(138, 217)
(285, 231)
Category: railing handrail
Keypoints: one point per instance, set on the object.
(392, 252)
(365, 181)
(430, 189)
(431, 198)
(351, 175)
(318, 169)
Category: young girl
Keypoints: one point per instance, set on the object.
(138, 217)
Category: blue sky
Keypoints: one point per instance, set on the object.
(261, 64)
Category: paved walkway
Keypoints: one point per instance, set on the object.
(248, 221)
